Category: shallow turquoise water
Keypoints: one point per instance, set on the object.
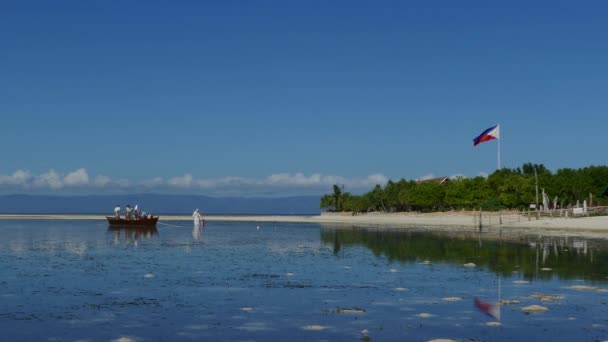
(77, 280)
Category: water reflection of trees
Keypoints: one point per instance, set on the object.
(567, 257)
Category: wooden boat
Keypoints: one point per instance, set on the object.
(141, 222)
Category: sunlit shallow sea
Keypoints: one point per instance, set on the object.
(79, 280)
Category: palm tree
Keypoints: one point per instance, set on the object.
(337, 196)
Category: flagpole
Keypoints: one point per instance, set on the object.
(499, 138)
(499, 275)
(499, 289)
(499, 295)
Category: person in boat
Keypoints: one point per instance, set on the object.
(117, 211)
(136, 212)
(128, 212)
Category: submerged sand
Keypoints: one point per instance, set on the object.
(470, 220)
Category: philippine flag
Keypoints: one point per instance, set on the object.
(487, 135)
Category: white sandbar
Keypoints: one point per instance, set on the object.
(469, 220)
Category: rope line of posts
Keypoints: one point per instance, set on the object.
(171, 225)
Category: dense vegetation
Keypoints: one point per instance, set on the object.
(504, 189)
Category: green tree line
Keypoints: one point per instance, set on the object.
(504, 189)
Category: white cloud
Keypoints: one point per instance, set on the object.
(76, 178)
(279, 183)
(154, 182)
(20, 177)
(49, 179)
(223, 182)
(376, 178)
(122, 183)
(101, 181)
(182, 182)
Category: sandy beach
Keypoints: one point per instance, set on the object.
(471, 220)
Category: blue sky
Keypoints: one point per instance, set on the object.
(288, 97)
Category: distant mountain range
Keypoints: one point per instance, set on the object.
(158, 204)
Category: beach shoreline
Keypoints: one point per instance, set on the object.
(469, 220)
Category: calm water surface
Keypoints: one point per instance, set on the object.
(78, 280)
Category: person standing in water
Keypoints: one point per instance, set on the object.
(197, 218)
(199, 224)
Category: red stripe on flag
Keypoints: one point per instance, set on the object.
(483, 139)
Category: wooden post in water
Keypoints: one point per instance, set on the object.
(499, 218)
(529, 214)
(480, 220)
(518, 216)
(474, 220)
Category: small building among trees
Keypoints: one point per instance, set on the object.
(439, 180)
